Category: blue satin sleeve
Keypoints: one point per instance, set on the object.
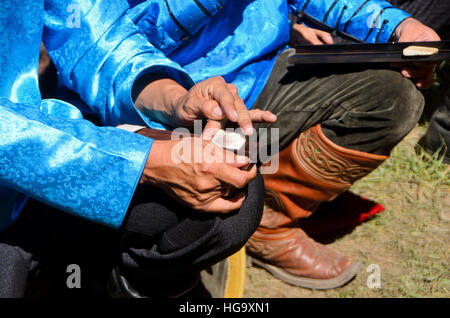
(371, 21)
(169, 24)
(101, 58)
(49, 152)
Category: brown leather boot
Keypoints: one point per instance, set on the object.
(311, 170)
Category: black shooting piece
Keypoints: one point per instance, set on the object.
(392, 52)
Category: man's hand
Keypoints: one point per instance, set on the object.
(167, 101)
(211, 184)
(256, 116)
(213, 99)
(411, 30)
(301, 34)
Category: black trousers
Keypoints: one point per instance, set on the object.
(160, 250)
(367, 108)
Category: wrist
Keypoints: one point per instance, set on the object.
(157, 97)
(401, 27)
(154, 160)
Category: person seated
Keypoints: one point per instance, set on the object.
(114, 204)
(437, 138)
(336, 124)
(437, 101)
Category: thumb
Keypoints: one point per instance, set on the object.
(212, 110)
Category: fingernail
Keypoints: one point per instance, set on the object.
(235, 114)
(405, 73)
(218, 112)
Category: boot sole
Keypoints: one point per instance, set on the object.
(311, 283)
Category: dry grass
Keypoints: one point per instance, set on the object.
(409, 241)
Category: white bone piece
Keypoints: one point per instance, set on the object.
(419, 51)
(229, 140)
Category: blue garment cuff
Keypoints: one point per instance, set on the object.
(140, 172)
(387, 23)
(124, 95)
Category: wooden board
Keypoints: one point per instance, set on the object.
(372, 53)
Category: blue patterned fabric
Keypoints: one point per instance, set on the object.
(222, 42)
(47, 150)
(240, 39)
(101, 59)
(371, 21)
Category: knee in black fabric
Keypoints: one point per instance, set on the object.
(15, 265)
(191, 245)
(405, 103)
(174, 227)
(231, 232)
(167, 228)
(186, 233)
(150, 219)
(381, 108)
(237, 228)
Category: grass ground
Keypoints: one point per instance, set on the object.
(409, 241)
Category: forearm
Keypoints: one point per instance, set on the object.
(157, 97)
(102, 59)
(369, 21)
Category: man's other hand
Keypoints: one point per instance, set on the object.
(167, 101)
(213, 182)
(301, 34)
(213, 99)
(411, 30)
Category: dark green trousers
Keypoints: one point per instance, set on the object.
(360, 107)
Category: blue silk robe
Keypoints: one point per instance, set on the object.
(240, 39)
(47, 150)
